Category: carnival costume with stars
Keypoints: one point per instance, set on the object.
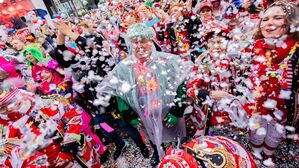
(151, 88)
(276, 84)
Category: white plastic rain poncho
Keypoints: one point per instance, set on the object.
(149, 89)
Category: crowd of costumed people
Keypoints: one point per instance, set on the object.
(156, 83)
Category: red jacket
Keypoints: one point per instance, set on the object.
(272, 67)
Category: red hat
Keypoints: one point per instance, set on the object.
(215, 31)
(157, 4)
(205, 4)
(178, 158)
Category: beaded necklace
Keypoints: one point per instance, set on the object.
(283, 65)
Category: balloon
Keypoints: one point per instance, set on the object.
(11, 31)
(40, 22)
(53, 16)
(63, 15)
(58, 16)
(34, 21)
(44, 21)
(53, 64)
(8, 25)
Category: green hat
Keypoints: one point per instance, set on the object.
(149, 3)
(140, 30)
(35, 52)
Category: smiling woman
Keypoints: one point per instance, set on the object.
(275, 67)
(277, 20)
(273, 23)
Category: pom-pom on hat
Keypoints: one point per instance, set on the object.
(140, 30)
(149, 3)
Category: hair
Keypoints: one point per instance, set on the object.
(292, 18)
(131, 13)
(180, 5)
(19, 40)
(209, 35)
(144, 6)
(53, 71)
(221, 33)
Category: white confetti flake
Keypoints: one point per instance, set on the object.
(278, 114)
(289, 128)
(261, 131)
(52, 86)
(285, 94)
(125, 87)
(67, 55)
(270, 104)
(268, 117)
(113, 80)
(268, 162)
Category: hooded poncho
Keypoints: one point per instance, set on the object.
(150, 91)
(149, 88)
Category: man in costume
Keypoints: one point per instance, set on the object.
(151, 86)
